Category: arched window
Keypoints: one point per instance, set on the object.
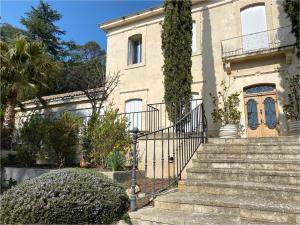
(133, 110)
(135, 49)
(254, 28)
(259, 88)
(195, 100)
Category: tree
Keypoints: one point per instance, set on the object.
(85, 71)
(177, 52)
(291, 7)
(40, 26)
(24, 66)
(9, 32)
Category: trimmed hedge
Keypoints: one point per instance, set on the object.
(67, 196)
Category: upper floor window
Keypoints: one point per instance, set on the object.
(194, 46)
(135, 49)
(254, 28)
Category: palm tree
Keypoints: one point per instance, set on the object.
(24, 67)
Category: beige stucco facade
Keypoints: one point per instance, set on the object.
(215, 21)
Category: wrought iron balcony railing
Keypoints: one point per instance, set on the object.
(270, 40)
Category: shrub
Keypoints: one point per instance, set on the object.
(226, 106)
(116, 160)
(46, 137)
(66, 196)
(32, 135)
(64, 138)
(109, 134)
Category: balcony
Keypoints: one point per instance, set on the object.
(264, 43)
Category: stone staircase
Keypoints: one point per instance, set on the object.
(234, 181)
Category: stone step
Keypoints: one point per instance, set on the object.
(245, 189)
(280, 147)
(255, 155)
(152, 215)
(255, 140)
(260, 176)
(247, 164)
(247, 208)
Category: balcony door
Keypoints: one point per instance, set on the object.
(133, 110)
(254, 28)
(261, 111)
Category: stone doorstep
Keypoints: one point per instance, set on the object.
(150, 215)
(242, 185)
(293, 165)
(255, 140)
(245, 148)
(254, 144)
(230, 202)
(283, 173)
(278, 161)
(253, 156)
(173, 217)
(278, 191)
(260, 176)
(247, 152)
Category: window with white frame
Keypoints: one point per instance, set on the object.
(194, 37)
(135, 49)
(133, 110)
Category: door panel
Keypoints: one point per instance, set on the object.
(261, 115)
(270, 122)
(253, 117)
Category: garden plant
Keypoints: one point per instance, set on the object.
(66, 196)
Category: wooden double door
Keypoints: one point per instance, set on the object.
(261, 114)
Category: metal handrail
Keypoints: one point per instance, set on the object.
(256, 33)
(257, 42)
(170, 153)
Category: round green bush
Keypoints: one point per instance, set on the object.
(67, 196)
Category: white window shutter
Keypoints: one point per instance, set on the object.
(194, 37)
(134, 108)
(129, 52)
(254, 28)
(140, 51)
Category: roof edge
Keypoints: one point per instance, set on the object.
(106, 26)
(133, 17)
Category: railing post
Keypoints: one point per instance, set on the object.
(133, 172)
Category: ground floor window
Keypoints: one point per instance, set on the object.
(133, 110)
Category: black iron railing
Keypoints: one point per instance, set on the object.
(163, 154)
(258, 42)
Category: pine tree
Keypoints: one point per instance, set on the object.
(291, 7)
(176, 46)
(40, 26)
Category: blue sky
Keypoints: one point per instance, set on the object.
(80, 18)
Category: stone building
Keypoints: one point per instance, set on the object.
(247, 43)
